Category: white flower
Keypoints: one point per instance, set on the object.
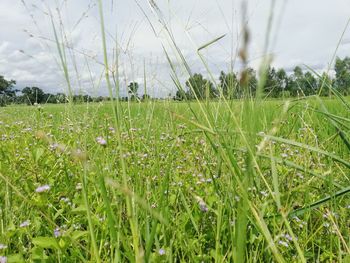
(264, 193)
(43, 188)
(2, 246)
(283, 243)
(326, 225)
(25, 223)
(101, 141)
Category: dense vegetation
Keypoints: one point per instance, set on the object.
(219, 173)
(78, 187)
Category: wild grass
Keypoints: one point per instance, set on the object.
(250, 180)
(184, 197)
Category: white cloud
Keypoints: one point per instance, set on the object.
(307, 32)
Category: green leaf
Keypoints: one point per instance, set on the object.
(38, 153)
(78, 234)
(46, 242)
(16, 258)
(79, 209)
(211, 42)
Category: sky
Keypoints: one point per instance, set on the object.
(290, 33)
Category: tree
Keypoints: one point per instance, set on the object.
(342, 75)
(60, 98)
(247, 84)
(324, 84)
(34, 95)
(229, 84)
(180, 95)
(271, 83)
(302, 84)
(133, 88)
(282, 83)
(6, 90)
(295, 81)
(146, 97)
(309, 84)
(200, 87)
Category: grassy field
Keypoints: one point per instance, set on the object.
(176, 182)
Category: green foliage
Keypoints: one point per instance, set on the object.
(6, 90)
(180, 95)
(33, 95)
(132, 90)
(325, 85)
(200, 87)
(184, 182)
(342, 71)
(229, 85)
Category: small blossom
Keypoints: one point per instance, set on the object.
(2, 246)
(3, 259)
(202, 205)
(53, 146)
(57, 232)
(287, 236)
(25, 224)
(300, 175)
(66, 200)
(297, 219)
(283, 243)
(161, 252)
(264, 193)
(43, 188)
(101, 141)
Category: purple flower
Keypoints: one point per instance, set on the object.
(3, 259)
(202, 205)
(53, 146)
(100, 140)
(161, 252)
(43, 188)
(57, 232)
(25, 223)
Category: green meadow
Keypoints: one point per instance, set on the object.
(165, 181)
(246, 166)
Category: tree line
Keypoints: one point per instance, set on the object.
(277, 83)
(35, 95)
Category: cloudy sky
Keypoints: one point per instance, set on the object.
(303, 32)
